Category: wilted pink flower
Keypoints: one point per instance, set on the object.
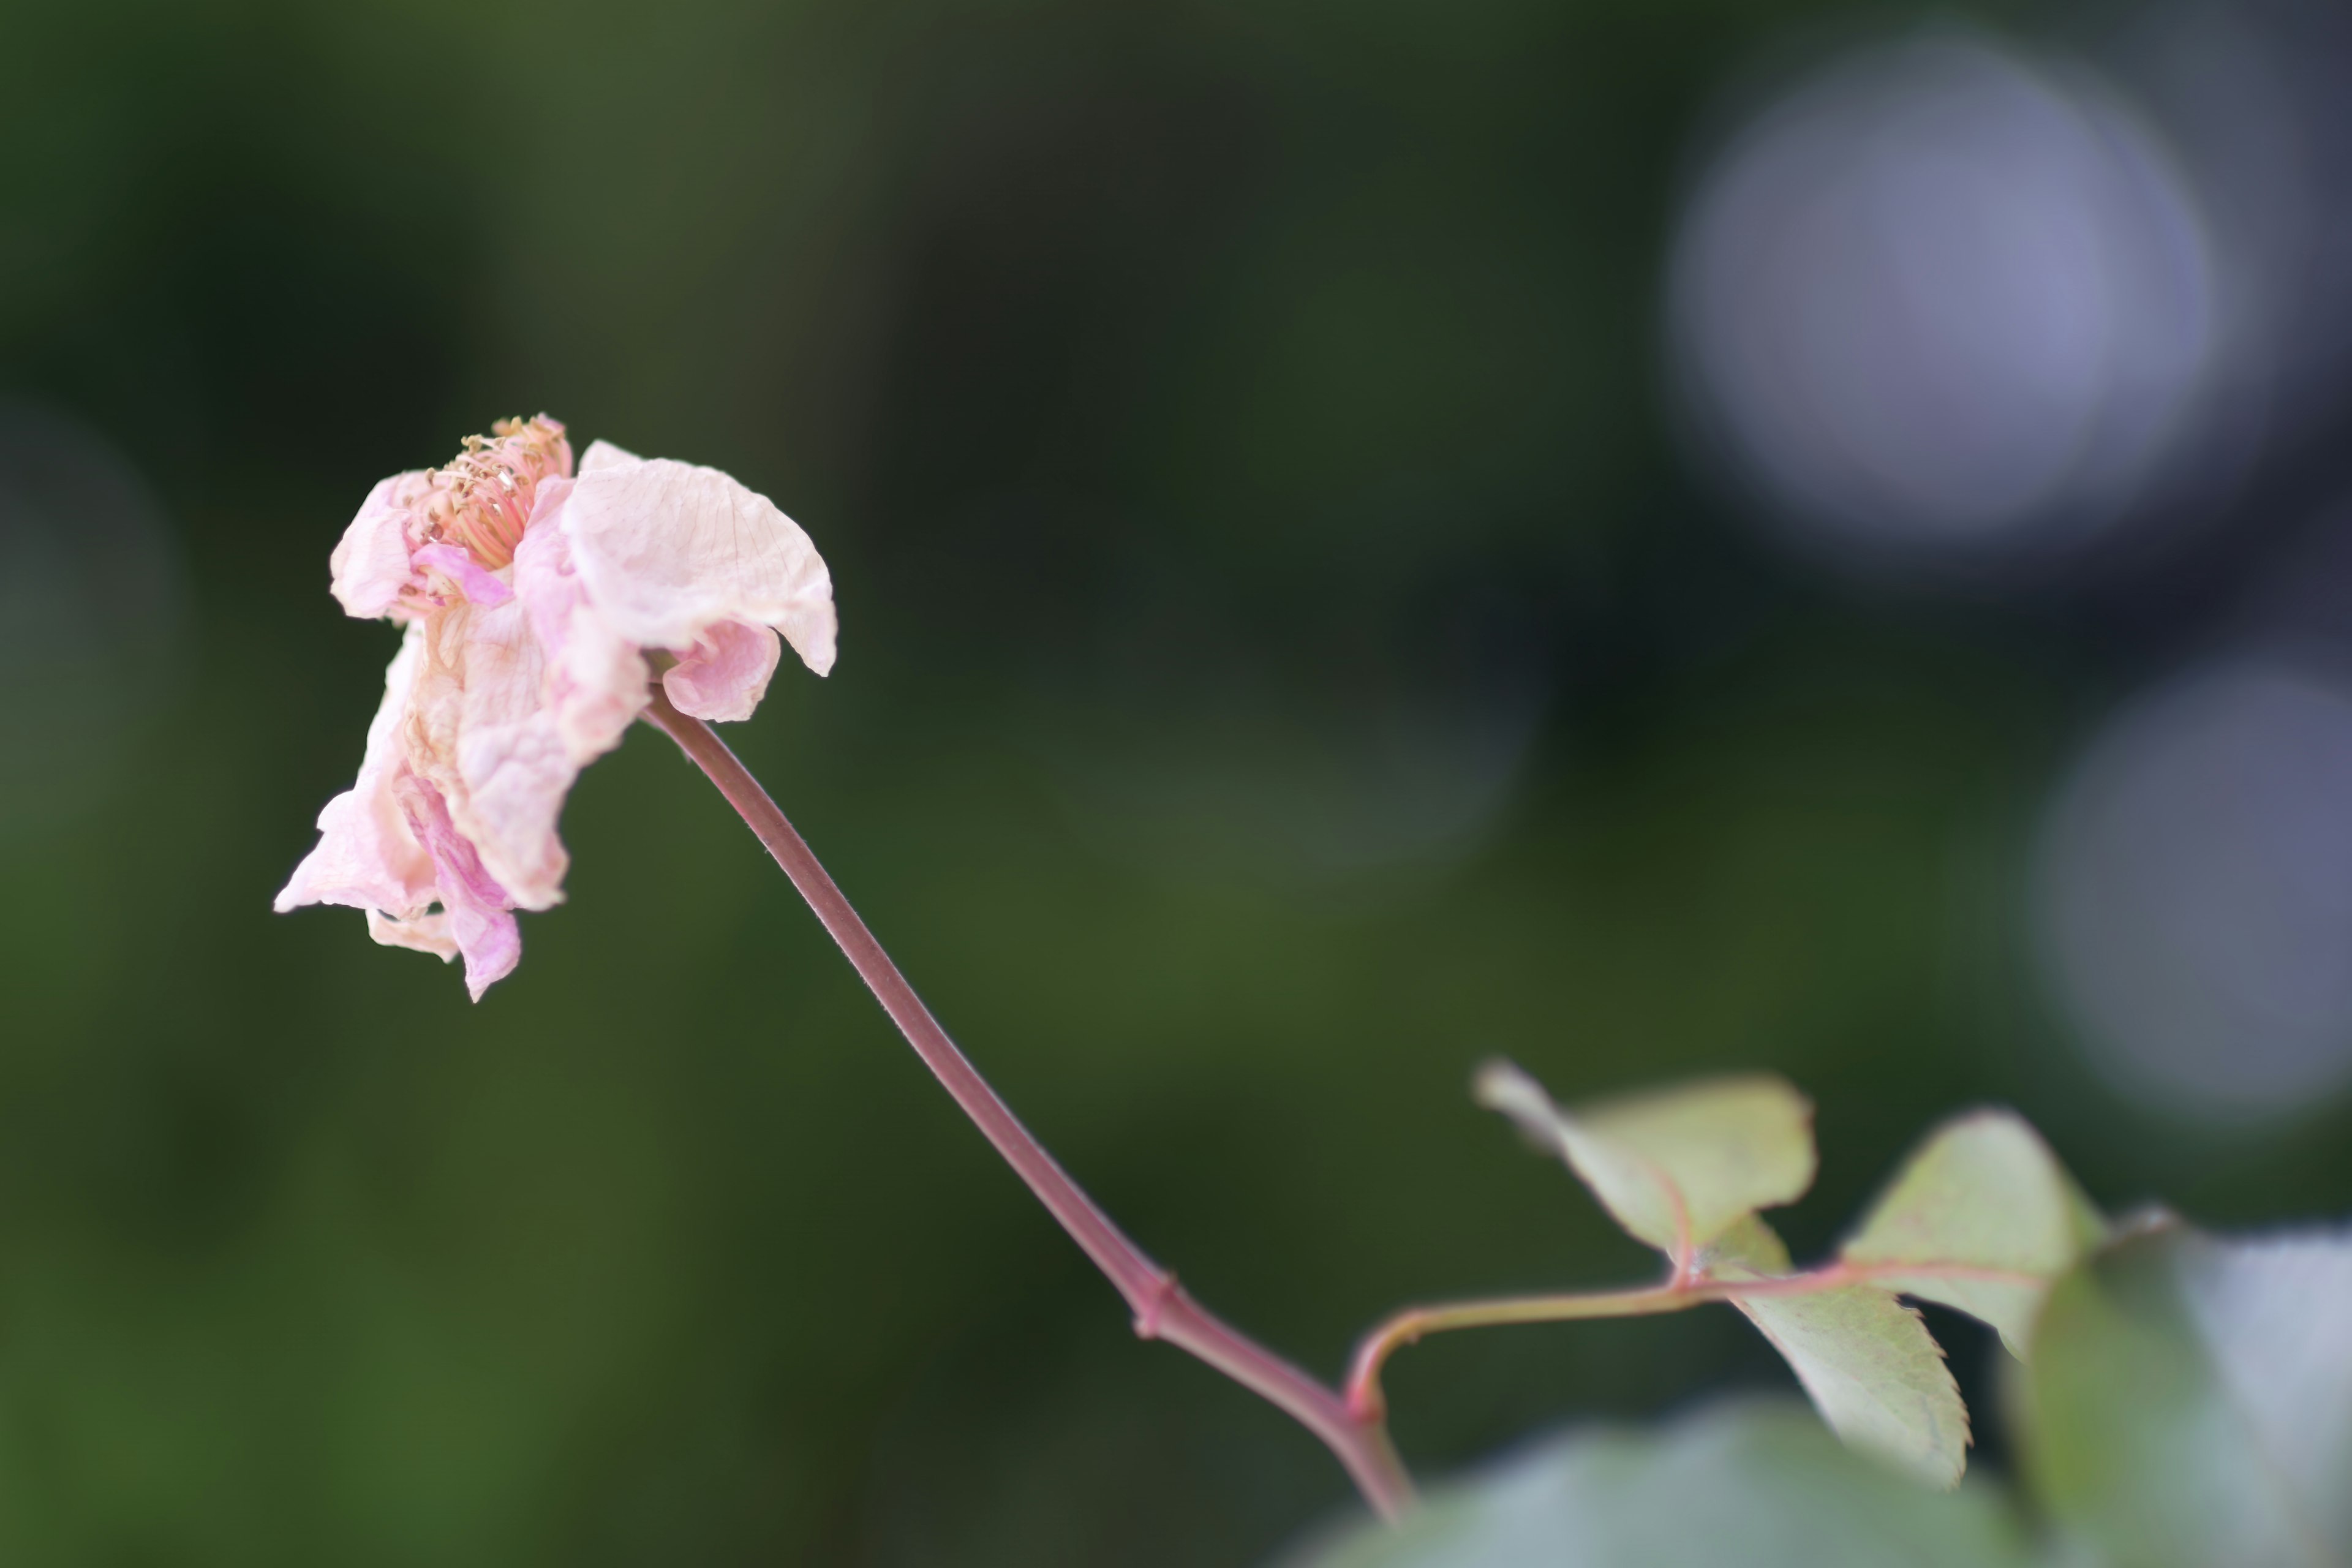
(529, 598)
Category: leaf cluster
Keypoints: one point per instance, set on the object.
(2179, 1400)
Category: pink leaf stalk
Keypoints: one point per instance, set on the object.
(1163, 1310)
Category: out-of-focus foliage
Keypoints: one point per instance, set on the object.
(1285, 659)
(2185, 1405)
(2190, 1401)
(1759, 1483)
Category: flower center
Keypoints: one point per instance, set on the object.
(482, 499)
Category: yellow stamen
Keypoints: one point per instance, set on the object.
(482, 501)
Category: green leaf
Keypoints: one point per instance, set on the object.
(2189, 1401)
(1866, 1360)
(1988, 1216)
(1676, 1167)
(1757, 1484)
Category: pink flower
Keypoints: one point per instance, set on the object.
(529, 598)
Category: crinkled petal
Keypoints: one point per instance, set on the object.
(726, 672)
(479, 912)
(479, 732)
(595, 680)
(367, 857)
(670, 550)
(426, 934)
(371, 565)
(604, 454)
(485, 588)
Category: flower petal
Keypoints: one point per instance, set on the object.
(371, 565)
(426, 934)
(481, 587)
(595, 680)
(604, 454)
(669, 550)
(480, 913)
(367, 857)
(479, 733)
(724, 674)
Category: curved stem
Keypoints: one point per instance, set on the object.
(1681, 1291)
(1412, 1324)
(1163, 1309)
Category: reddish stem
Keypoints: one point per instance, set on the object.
(1684, 1289)
(1163, 1309)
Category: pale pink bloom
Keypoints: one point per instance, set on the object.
(529, 598)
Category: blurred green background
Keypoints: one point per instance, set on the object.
(1286, 656)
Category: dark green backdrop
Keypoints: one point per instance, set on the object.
(1284, 660)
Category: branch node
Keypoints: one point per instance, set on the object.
(1147, 1318)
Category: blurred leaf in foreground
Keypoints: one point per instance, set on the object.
(1757, 1483)
(1983, 1193)
(2189, 1401)
(1868, 1361)
(1677, 1167)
